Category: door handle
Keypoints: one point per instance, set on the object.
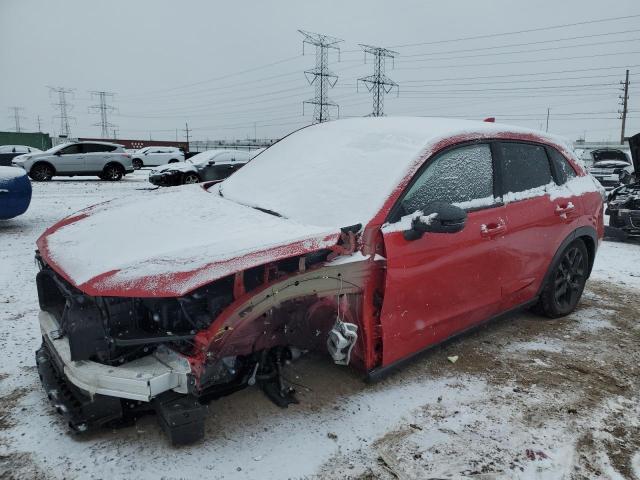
(563, 211)
(492, 229)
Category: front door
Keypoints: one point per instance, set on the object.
(443, 283)
(70, 159)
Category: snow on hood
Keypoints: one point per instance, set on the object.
(176, 166)
(170, 244)
(340, 173)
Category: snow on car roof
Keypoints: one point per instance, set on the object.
(340, 173)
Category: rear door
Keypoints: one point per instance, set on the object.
(69, 160)
(96, 156)
(441, 284)
(538, 217)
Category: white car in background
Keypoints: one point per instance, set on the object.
(155, 156)
(108, 161)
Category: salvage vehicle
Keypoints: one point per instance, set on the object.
(623, 203)
(15, 192)
(155, 156)
(107, 161)
(209, 165)
(369, 239)
(611, 167)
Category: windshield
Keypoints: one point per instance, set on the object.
(333, 174)
(58, 147)
(202, 157)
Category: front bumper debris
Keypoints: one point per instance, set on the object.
(141, 379)
(90, 395)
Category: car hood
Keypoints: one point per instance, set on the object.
(171, 243)
(176, 166)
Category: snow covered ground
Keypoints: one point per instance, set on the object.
(527, 398)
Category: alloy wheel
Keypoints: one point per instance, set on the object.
(191, 178)
(570, 278)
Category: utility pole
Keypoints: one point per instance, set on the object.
(64, 108)
(320, 76)
(102, 108)
(15, 114)
(624, 101)
(378, 83)
(548, 111)
(39, 123)
(186, 131)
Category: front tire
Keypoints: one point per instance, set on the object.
(566, 282)
(190, 178)
(41, 172)
(137, 164)
(112, 173)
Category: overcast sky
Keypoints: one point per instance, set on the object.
(170, 62)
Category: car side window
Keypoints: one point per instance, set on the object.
(524, 166)
(564, 170)
(96, 147)
(70, 150)
(462, 176)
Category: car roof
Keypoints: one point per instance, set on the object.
(100, 143)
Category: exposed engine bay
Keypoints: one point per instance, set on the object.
(623, 202)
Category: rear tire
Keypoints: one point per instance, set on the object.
(112, 173)
(566, 282)
(137, 164)
(41, 172)
(190, 178)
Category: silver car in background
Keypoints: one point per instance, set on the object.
(107, 161)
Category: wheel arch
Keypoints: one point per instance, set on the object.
(114, 162)
(43, 162)
(590, 238)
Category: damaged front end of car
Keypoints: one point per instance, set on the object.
(105, 361)
(623, 203)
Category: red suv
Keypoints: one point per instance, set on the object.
(368, 239)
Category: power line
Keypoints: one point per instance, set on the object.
(321, 76)
(103, 108)
(517, 32)
(511, 62)
(522, 44)
(64, 108)
(15, 115)
(378, 83)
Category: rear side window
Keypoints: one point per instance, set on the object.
(461, 176)
(524, 166)
(96, 147)
(564, 170)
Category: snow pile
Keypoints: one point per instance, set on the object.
(182, 230)
(340, 173)
(9, 173)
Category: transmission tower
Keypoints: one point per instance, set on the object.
(15, 115)
(378, 83)
(320, 76)
(64, 108)
(103, 108)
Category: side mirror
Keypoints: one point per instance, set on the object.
(211, 162)
(437, 217)
(58, 153)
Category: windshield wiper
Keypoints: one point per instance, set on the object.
(270, 212)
